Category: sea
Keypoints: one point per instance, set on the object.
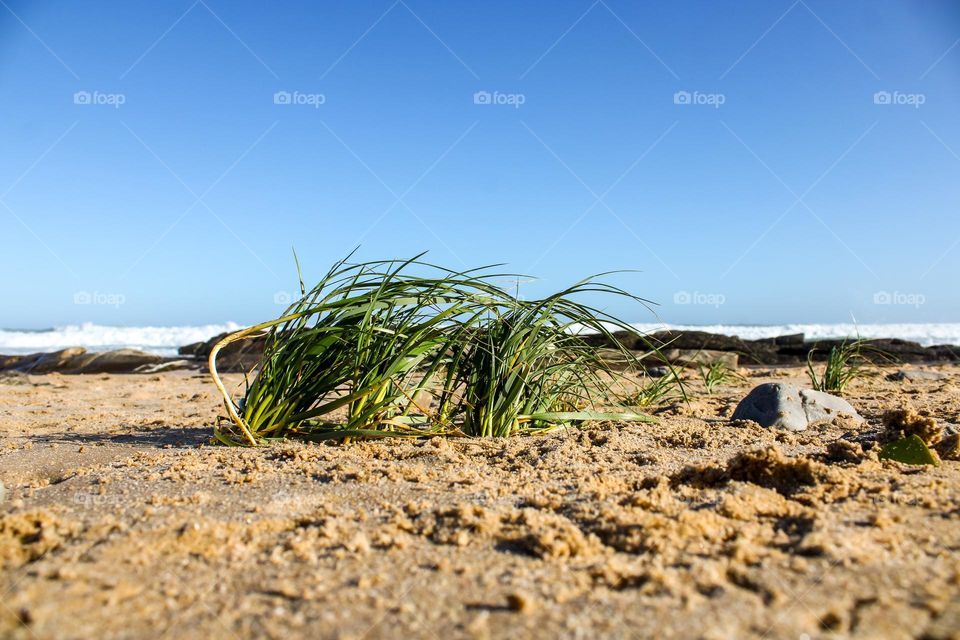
(165, 340)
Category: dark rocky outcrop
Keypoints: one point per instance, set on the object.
(682, 348)
(893, 349)
(78, 360)
(790, 349)
(691, 341)
(242, 355)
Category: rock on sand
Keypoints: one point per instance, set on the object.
(786, 406)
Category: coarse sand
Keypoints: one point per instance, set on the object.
(121, 520)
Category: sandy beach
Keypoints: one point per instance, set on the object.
(426, 320)
(121, 520)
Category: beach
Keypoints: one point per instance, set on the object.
(428, 320)
(120, 519)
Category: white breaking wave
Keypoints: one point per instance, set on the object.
(160, 340)
(165, 340)
(926, 334)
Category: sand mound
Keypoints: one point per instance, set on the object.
(27, 536)
(907, 421)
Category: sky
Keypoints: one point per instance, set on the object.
(757, 162)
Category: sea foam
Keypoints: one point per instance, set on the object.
(160, 340)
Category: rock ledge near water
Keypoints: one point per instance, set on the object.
(680, 348)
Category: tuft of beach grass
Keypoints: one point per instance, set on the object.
(405, 348)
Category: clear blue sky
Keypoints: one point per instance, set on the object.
(798, 199)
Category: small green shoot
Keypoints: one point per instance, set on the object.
(716, 374)
(844, 365)
(656, 392)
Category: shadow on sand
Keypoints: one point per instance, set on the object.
(152, 436)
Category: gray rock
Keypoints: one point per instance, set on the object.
(48, 362)
(697, 357)
(79, 360)
(169, 365)
(786, 406)
(240, 356)
(657, 372)
(796, 339)
(14, 378)
(913, 375)
(117, 361)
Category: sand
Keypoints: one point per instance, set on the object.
(120, 520)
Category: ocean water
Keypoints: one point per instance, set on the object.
(165, 340)
(160, 340)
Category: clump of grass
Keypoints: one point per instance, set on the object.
(353, 343)
(527, 368)
(407, 348)
(716, 374)
(845, 363)
(658, 391)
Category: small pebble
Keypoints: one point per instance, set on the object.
(519, 602)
